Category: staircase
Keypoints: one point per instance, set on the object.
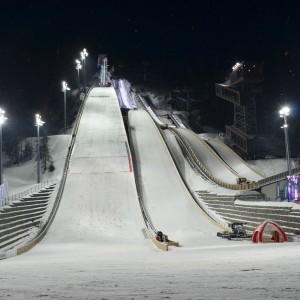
(20, 220)
(225, 207)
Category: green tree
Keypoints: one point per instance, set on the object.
(45, 156)
(13, 148)
(27, 153)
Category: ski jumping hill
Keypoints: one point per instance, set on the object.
(100, 203)
(234, 161)
(168, 203)
(210, 160)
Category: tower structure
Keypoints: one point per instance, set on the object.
(240, 88)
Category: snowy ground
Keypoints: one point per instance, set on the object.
(23, 177)
(237, 271)
(269, 167)
(89, 263)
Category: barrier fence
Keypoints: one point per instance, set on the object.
(8, 200)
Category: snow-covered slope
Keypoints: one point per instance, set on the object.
(234, 161)
(100, 202)
(209, 158)
(22, 177)
(168, 202)
(270, 167)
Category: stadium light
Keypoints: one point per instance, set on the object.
(236, 66)
(83, 55)
(38, 123)
(78, 68)
(284, 112)
(2, 119)
(65, 88)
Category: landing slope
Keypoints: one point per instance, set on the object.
(99, 204)
(209, 158)
(168, 202)
(234, 161)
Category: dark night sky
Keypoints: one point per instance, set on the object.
(193, 42)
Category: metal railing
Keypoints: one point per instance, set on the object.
(278, 177)
(8, 200)
(151, 229)
(177, 121)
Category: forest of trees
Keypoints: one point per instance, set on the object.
(18, 149)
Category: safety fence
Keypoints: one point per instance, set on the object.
(278, 177)
(150, 227)
(8, 200)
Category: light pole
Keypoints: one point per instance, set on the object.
(38, 123)
(83, 55)
(284, 112)
(65, 88)
(2, 119)
(78, 68)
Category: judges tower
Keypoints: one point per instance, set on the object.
(240, 88)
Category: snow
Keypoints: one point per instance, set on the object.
(291, 205)
(237, 271)
(234, 161)
(23, 177)
(166, 199)
(269, 167)
(96, 249)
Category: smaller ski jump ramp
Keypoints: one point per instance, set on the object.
(166, 199)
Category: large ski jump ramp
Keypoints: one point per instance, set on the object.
(100, 203)
(170, 206)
